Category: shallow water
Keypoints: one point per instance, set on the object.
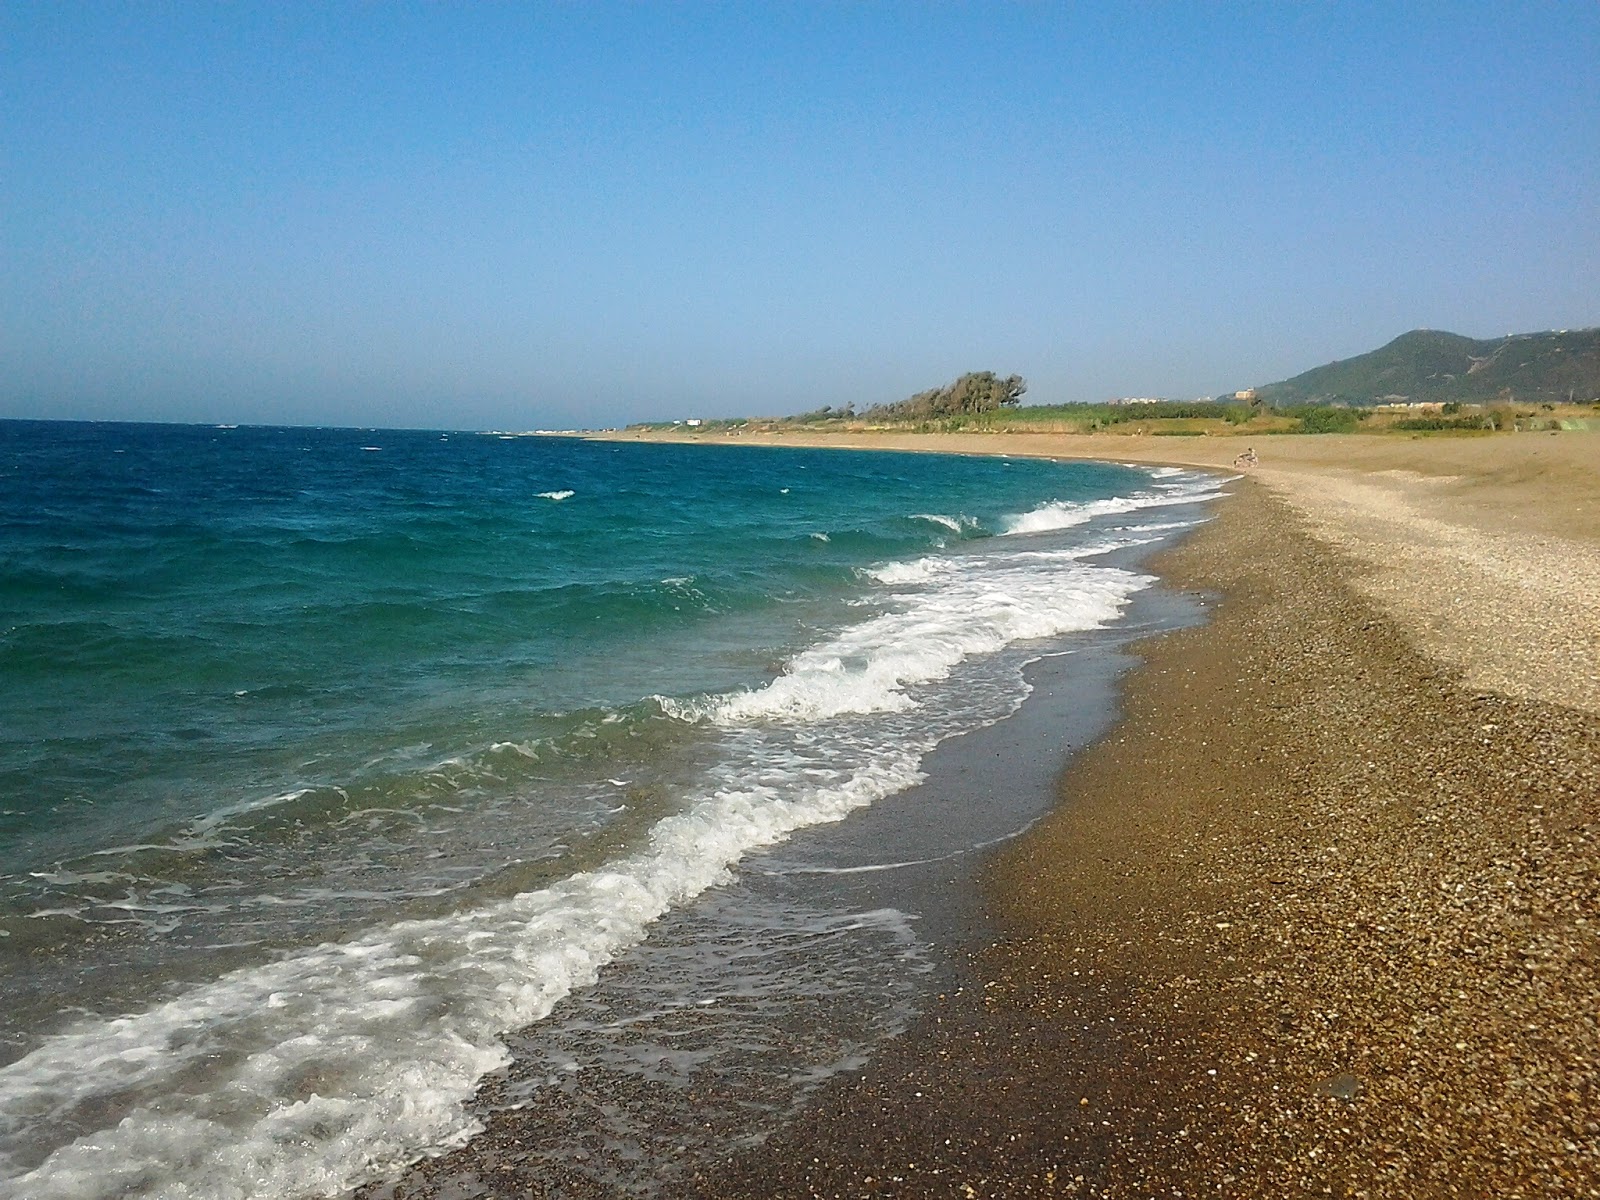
(331, 760)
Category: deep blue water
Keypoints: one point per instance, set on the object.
(329, 757)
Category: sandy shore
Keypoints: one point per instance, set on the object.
(1486, 550)
(1322, 915)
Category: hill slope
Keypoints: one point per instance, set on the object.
(1428, 365)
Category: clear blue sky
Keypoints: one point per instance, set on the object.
(477, 216)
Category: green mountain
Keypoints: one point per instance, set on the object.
(1427, 365)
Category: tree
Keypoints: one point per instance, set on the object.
(975, 392)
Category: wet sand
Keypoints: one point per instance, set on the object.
(1321, 915)
(1315, 920)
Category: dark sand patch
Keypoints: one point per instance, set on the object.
(1315, 920)
(632, 1088)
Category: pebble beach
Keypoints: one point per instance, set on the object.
(1321, 915)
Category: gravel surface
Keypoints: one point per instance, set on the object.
(1320, 919)
(1322, 916)
(1513, 609)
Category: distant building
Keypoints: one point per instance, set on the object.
(1245, 396)
(693, 422)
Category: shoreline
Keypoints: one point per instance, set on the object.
(1315, 918)
(1485, 549)
(1320, 913)
(915, 855)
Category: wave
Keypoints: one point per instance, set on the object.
(411, 826)
(1173, 486)
(345, 1061)
(563, 494)
(960, 524)
(983, 604)
(920, 570)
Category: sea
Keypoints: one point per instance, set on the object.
(356, 785)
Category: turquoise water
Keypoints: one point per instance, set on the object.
(330, 757)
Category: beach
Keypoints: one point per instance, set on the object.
(963, 825)
(1314, 913)
(764, 602)
(1319, 917)
(616, 797)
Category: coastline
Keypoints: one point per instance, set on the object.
(912, 857)
(1320, 913)
(1485, 550)
(1314, 919)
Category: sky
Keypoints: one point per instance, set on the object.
(580, 215)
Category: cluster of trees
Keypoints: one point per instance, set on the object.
(826, 413)
(975, 392)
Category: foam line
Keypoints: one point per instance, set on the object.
(340, 1064)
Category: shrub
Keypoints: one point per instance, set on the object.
(1324, 419)
(1434, 424)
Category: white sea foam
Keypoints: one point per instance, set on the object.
(1172, 486)
(1159, 526)
(982, 604)
(918, 570)
(954, 524)
(1064, 514)
(64, 878)
(563, 494)
(336, 1065)
(520, 749)
(203, 825)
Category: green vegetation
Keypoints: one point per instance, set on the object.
(974, 394)
(1428, 366)
(1314, 418)
(1423, 382)
(1104, 416)
(1484, 422)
